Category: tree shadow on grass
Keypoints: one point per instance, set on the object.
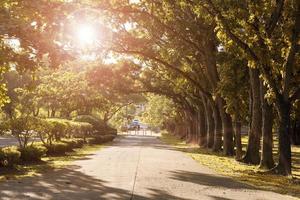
(208, 180)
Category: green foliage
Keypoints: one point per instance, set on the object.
(53, 129)
(234, 85)
(100, 139)
(4, 127)
(74, 143)
(9, 156)
(23, 128)
(159, 110)
(95, 122)
(32, 153)
(58, 148)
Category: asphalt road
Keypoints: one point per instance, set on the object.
(8, 141)
(12, 141)
(133, 168)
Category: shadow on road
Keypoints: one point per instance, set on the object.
(70, 184)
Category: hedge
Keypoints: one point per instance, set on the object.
(58, 148)
(99, 126)
(9, 156)
(101, 139)
(51, 131)
(32, 153)
(74, 143)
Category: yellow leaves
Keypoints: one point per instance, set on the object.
(251, 64)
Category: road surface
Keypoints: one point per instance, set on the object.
(8, 141)
(133, 168)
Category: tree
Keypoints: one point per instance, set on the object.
(270, 39)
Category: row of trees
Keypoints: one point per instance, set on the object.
(224, 65)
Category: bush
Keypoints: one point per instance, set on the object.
(4, 127)
(95, 140)
(9, 156)
(32, 153)
(108, 138)
(95, 122)
(58, 148)
(99, 126)
(74, 143)
(101, 139)
(23, 128)
(58, 128)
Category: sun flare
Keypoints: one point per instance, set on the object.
(86, 34)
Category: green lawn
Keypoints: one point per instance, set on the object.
(48, 163)
(242, 172)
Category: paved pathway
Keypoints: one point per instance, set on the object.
(134, 167)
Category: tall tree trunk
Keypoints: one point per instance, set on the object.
(284, 165)
(217, 129)
(210, 125)
(188, 127)
(238, 141)
(194, 123)
(53, 113)
(295, 131)
(202, 128)
(252, 151)
(36, 112)
(266, 161)
(228, 147)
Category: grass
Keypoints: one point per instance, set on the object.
(249, 174)
(47, 163)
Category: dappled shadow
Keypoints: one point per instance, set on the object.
(70, 184)
(208, 179)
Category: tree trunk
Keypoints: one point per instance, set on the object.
(238, 141)
(295, 129)
(210, 126)
(252, 151)
(266, 161)
(228, 147)
(202, 129)
(36, 112)
(217, 129)
(193, 127)
(284, 165)
(53, 113)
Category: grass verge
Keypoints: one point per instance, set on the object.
(48, 163)
(228, 166)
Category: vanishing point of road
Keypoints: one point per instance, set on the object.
(133, 168)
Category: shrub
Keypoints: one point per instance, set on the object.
(58, 148)
(9, 156)
(32, 153)
(100, 139)
(58, 128)
(95, 122)
(108, 138)
(23, 128)
(74, 143)
(95, 140)
(4, 127)
(80, 129)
